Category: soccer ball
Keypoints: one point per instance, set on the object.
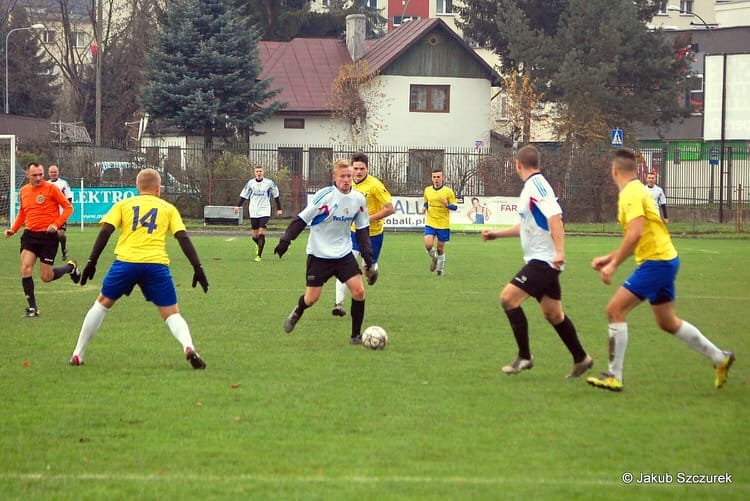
(374, 338)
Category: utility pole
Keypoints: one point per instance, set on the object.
(98, 35)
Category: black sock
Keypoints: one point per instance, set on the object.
(261, 243)
(63, 244)
(358, 316)
(255, 239)
(567, 332)
(28, 290)
(61, 270)
(301, 306)
(520, 327)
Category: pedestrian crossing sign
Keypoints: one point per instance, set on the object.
(616, 137)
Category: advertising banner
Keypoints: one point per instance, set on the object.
(91, 204)
(474, 213)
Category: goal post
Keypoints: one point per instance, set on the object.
(8, 201)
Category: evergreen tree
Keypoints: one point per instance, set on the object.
(203, 71)
(31, 92)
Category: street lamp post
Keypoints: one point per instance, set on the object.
(722, 146)
(33, 27)
(674, 8)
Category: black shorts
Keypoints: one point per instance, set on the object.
(259, 222)
(539, 279)
(319, 270)
(41, 243)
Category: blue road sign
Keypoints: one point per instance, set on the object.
(616, 137)
(713, 158)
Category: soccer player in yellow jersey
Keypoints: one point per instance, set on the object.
(141, 259)
(648, 240)
(439, 200)
(379, 207)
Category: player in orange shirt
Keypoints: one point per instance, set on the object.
(40, 212)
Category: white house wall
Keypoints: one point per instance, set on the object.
(467, 121)
(318, 130)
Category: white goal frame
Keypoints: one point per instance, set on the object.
(12, 181)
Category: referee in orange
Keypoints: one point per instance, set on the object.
(40, 213)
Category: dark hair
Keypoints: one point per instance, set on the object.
(360, 157)
(437, 169)
(625, 160)
(528, 156)
(625, 153)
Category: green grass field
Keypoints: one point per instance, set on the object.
(308, 416)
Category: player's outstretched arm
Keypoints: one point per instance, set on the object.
(292, 231)
(101, 242)
(199, 276)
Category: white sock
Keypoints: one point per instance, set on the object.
(694, 338)
(618, 343)
(180, 330)
(341, 290)
(374, 267)
(432, 252)
(441, 262)
(91, 323)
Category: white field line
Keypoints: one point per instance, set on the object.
(321, 479)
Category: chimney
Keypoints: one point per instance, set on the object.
(355, 35)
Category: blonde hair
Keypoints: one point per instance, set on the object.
(148, 180)
(340, 164)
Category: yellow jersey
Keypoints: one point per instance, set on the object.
(438, 215)
(655, 243)
(376, 196)
(144, 222)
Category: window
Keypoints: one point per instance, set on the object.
(80, 39)
(399, 20)
(444, 7)
(695, 94)
(686, 6)
(502, 110)
(429, 98)
(661, 8)
(294, 123)
(321, 160)
(373, 4)
(421, 163)
(49, 36)
(291, 158)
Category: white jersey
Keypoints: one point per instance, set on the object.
(537, 204)
(260, 194)
(63, 186)
(330, 215)
(658, 195)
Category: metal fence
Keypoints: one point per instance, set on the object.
(693, 175)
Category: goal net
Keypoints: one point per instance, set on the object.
(8, 180)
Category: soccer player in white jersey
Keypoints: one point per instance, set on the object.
(658, 195)
(543, 243)
(53, 171)
(330, 215)
(259, 191)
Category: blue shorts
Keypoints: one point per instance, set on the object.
(442, 235)
(654, 280)
(155, 281)
(376, 241)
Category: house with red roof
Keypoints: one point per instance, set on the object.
(420, 89)
(427, 88)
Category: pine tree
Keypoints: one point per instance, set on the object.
(203, 71)
(31, 92)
